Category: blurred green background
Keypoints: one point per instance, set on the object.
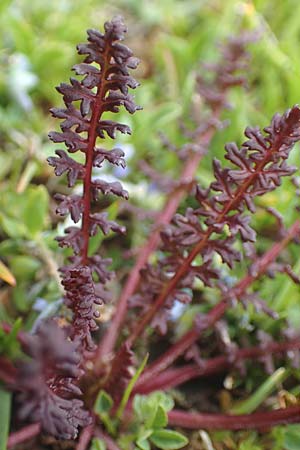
(172, 38)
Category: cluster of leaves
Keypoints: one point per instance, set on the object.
(259, 166)
(148, 423)
(152, 411)
(46, 381)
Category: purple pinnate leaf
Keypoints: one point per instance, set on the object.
(100, 220)
(111, 128)
(114, 156)
(72, 239)
(47, 381)
(72, 205)
(106, 187)
(81, 298)
(63, 163)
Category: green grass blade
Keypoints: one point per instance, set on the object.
(130, 387)
(250, 404)
(5, 403)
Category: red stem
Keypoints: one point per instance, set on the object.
(26, 433)
(89, 159)
(258, 420)
(217, 311)
(110, 444)
(177, 376)
(188, 173)
(85, 437)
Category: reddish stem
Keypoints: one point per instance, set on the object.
(172, 203)
(89, 159)
(217, 311)
(110, 444)
(259, 420)
(26, 433)
(177, 376)
(85, 437)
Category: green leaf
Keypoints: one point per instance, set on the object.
(24, 267)
(168, 439)
(142, 441)
(103, 403)
(143, 444)
(164, 400)
(5, 404)
(21, 298)
(12, 227)
(250, 404)
(160, 419)
(145, 406)
(140, 406)
(102, 407)
(35, 210)
(292, 437)
(10, 247)
(98, 444)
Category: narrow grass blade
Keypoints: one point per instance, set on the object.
(250, 404)
(130, 387)
(5, 404)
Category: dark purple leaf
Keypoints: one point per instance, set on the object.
(100, 220)
(63, 163)
(109, 188)
(111, 127)
(73, 238)
(72, 204)
(114, 156)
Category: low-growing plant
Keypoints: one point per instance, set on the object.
(72, 382)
